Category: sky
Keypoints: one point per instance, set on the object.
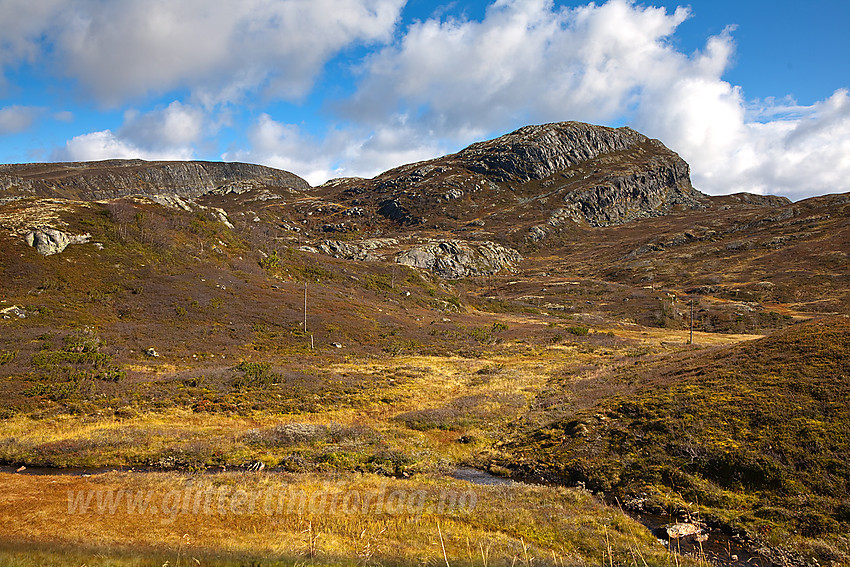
(753, 94)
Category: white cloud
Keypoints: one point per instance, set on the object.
(22, 23)
(526, 61)
(774, 147)
(346, 152)
(284, 146)
(103, 145)
(16, 118)
(219, 50)
(168, 133)
(174, 126)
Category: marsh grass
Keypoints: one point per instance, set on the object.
(516, 524)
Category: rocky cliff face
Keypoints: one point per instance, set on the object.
(645, 192)
(536, 152)
(90, 181)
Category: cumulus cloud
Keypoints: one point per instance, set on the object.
(343, 152)
(16, 118)
(24, 22)
(177, 125)
(106, 145)
(775, 147)
(796, 157)
(285, 147)
(218, 50)
(527, 60)
(168, 133)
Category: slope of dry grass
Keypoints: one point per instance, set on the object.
(755, 435)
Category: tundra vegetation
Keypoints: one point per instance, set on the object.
(189, 364)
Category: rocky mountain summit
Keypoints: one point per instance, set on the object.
(537, 152)
(538, 175)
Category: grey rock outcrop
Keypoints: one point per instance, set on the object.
(90, 181)
(647, 193)
(49, 241)
(758, 200)
(363, 250)
(13, 312)
(452, 259)
(536, 152)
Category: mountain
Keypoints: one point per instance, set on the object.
(523, 305)
(540, 174)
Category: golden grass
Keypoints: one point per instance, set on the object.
(492, 389)
(516, 524)
(510, 525)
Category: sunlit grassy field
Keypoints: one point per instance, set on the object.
(236, 518)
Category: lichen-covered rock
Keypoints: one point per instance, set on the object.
(647, 193)
(89, 181)
(49, 241)
(452, 259)
(394, 211)
(364, 250)
(536, 152)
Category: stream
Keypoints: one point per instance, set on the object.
(719, 549)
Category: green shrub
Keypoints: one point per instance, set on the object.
(254, 375)
(50, 358)
(271, 261)
(39, 389)
(112, 374)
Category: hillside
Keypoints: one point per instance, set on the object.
(522, 306)
(755, 434)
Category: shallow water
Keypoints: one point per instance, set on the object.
(720, 549)
(476, 476)
(59, 472)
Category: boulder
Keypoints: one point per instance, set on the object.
(452, 259)
(48, 241)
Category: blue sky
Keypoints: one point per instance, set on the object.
(752, 93)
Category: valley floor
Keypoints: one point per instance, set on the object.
(362, 481)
